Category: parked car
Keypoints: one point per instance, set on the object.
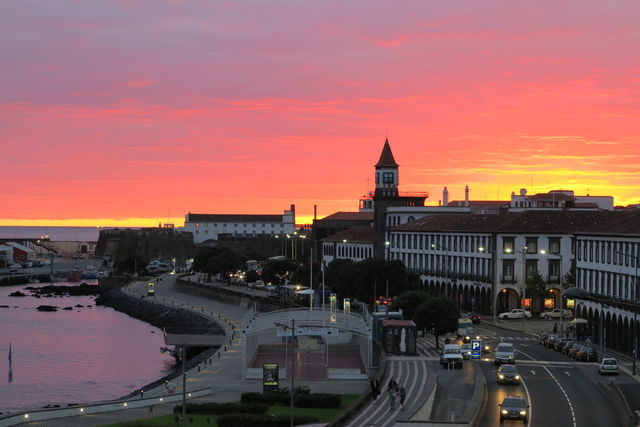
(514, 408)
(556, 313)
(505, 353)
(574, 350)
(587, 354)
(507, 374)
(551, 340)
(561, 342)
(516, 313)
(568, 346)
(609, 365)
(543, 337)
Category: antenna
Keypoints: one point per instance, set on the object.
(386, 132)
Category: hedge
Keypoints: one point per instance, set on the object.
(317, 400)
(302, 400)
(265, 398)
(212, 408)
(244, 420)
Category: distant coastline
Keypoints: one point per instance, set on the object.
(54, 233)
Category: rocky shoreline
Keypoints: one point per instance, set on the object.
(161, 316)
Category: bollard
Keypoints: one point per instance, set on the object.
(198, 367)
(225, 347)
(218, 354)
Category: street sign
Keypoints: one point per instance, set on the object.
(476, 349)
(587, 340)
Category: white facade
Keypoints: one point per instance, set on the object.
(210, 226)
(559, 199)
(354, 251)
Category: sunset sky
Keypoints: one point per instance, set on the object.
(130, 112)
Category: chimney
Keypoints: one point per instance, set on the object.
(466, 195)
(445, 197)
(315, 212)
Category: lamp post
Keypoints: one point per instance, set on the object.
(494, 290)
(524, 285)
(543, 252)
(293, 363)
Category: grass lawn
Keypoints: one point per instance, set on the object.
(325, 415)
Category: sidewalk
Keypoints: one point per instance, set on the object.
(222, 375)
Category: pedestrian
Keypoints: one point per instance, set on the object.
(402, 393)
(393, 384)
(375, 389)
(392, 398)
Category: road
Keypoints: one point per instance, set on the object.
(560, 391)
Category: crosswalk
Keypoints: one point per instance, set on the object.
(413, 375)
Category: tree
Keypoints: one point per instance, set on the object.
(437, 314)
(275, 270)
(408, 302)
(224, 262)
(359, 279)
(536, 288)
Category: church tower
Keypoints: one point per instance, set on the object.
(386, 195)
(386, 174)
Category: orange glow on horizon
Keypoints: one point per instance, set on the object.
(251, 108)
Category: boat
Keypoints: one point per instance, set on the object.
(89, 273)
(74, 275)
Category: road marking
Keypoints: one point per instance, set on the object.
(533, 372)
(573, 414)
(526, 390)
(568, 373)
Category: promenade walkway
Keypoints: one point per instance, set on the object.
(222, 375)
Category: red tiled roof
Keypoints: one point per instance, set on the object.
(353, 235)
(349, 216)
(386, 157)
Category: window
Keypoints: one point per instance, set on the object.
(531, 267)
(507, 270)
(507, 245)
(554, 245)
(387, 178)
(532, 245)
(554, 270)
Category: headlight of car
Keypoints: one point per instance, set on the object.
(504, 411)
(523, 412)
(501, 376)
(517, 377)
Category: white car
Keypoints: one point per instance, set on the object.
(556, 313)
(609, 366)
(516, 313)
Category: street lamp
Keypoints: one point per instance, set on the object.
(524, 285)
(544, 252)
(445, 260)
(494, 287)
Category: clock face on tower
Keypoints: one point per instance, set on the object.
(387, 177)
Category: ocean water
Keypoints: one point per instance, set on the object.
(83, 355)
(57, 234)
